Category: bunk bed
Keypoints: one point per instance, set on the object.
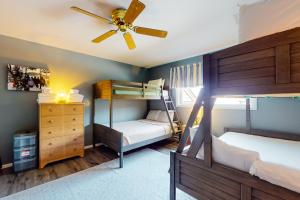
(117, 136)
(263, 67)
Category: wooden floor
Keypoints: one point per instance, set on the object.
(12, 183)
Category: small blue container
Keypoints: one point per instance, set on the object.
(25, 150)
(25, 164)
(25, 139)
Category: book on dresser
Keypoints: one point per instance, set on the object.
(61, 132)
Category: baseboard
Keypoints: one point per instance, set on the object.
(10, 165)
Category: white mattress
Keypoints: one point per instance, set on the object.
(277, 151)
(279, 161)
(141, 130)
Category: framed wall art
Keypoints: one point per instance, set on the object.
(24, 78)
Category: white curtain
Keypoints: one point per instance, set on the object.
(186, 76)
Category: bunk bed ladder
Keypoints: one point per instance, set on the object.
(170, 106)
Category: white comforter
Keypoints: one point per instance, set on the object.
(277, 174)
(270, 150)
(279, 161)
(141, 130)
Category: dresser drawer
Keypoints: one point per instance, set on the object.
(74, 140)
(54, 121)
(52, 143)
(73, 109)
(51, 110)
(73, 129)
(51, 132)
(74, 119)
(72, 150)
(53, 154)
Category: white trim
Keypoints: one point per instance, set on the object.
(9, 165)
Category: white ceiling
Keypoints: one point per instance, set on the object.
(195, 27)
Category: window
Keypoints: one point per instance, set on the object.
(187, 97)
(235, 103)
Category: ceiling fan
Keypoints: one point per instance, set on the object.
(124, 19)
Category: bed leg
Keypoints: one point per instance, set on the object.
(121, 159)
(172, 177)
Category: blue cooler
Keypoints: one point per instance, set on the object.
(25, 150)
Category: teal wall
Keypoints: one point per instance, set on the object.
(19, 110)
(279, 114)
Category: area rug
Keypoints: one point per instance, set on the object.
(144, 176)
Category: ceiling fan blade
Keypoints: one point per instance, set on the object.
(89, 13)
(134, 10)
(129, 40)
(104, 36)
(150, 32)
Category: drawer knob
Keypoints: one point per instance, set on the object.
(74, 109)
(74, 139)
(74, 119)
(74, 129)
(50, 144)
(50, 121)
(50, 110)
(50, 132)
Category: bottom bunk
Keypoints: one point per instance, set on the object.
(273, 163)
(129, 135)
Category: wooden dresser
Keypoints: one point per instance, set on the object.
(61, 132)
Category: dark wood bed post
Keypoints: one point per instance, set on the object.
(172, 176)
(111, 113)
(246, 191)
(248, 115)
(120, 151)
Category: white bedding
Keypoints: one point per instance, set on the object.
(277, 174)
(141, 130)
(279, 159)
(270, 150)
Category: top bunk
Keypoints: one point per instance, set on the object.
(267, 66)
(114, 89)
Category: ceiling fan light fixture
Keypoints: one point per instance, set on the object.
(124, 19)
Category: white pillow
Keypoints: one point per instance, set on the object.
(163, 117)
(153, 115)
(231, 156)
(155, 83)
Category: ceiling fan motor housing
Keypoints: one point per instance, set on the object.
(118, 19)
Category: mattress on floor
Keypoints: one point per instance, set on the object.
(141, 130)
